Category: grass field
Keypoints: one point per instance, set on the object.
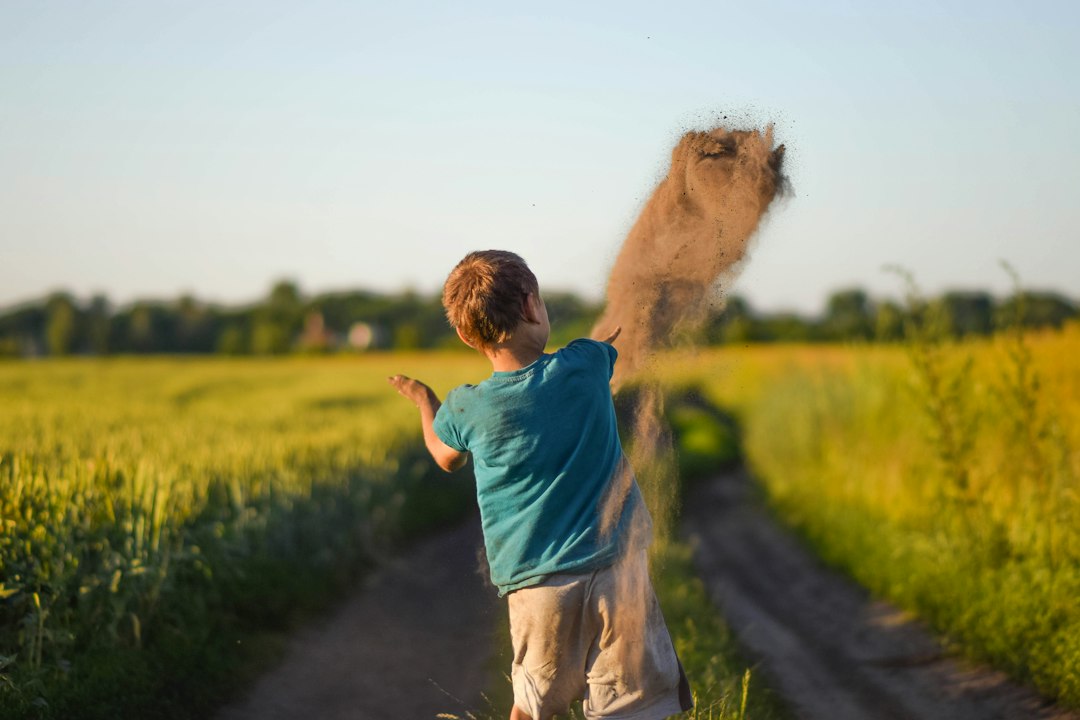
(944, 477)
(158, 512)
(164, 520)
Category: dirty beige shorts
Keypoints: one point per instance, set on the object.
(600, 637)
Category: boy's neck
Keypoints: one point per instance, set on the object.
(507, 357)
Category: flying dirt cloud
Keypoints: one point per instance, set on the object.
(692, 233)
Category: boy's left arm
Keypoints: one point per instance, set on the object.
(428, 403)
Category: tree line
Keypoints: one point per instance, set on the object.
(285, 321)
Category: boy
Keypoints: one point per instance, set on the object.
(565, 528)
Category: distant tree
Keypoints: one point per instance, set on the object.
(278, 320)
(731, 322)
(231, 341)
(197, 326)
(407, 337)
(141, 332)
(269, 338)
(98, 326)
(284, 298)
(23, 329)
(1037, 309)
(60, 326)
(967, 313)
(418, 320)
(189, 316)
(847, 315)
(786, 327)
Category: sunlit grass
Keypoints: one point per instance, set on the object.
(158, 513)
(979, 532)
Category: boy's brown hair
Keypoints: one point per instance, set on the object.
(484, 295)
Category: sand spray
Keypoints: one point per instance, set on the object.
(682, 253)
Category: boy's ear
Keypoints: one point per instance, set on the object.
(465, 339)
(530, 308)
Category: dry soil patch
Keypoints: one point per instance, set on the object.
(414, 640)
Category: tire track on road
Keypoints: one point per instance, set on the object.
(826, 646)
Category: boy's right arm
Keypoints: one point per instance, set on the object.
(428, 403)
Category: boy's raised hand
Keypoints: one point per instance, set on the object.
(414, 390)
(428, 403)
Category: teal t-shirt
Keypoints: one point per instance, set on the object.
(545, 450)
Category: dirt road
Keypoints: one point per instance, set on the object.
(413, 641)
(827, 647)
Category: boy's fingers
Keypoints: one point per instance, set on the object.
(611, 338)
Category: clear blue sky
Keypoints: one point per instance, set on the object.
(154, 148)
